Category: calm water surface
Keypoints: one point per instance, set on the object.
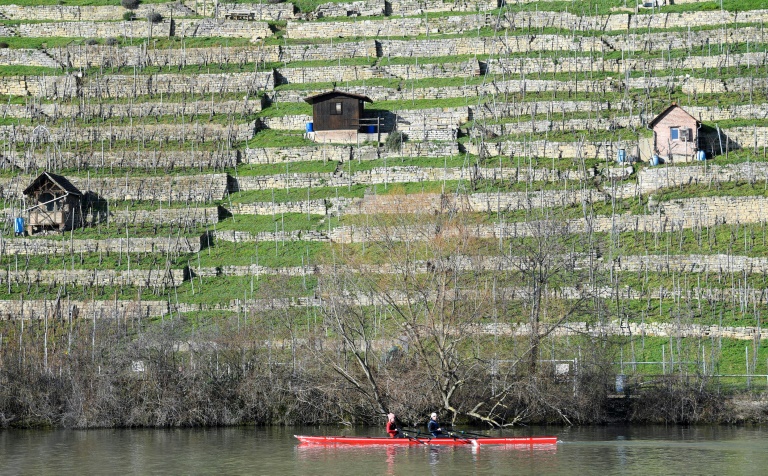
(268, 451)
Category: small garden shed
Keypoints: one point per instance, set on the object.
(55, 203)
(675, 133)
(337, 110)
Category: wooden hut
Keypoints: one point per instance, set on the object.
(56, 203)
(337, 113)
(675, 134)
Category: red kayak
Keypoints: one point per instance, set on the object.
(375, 440)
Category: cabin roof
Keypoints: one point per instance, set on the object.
(666, 111)
(321, 96)
(59, 180)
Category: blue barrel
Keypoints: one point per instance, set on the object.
(655, 160)
(620, 383)
(18, 226)
(622, 155)
(310, 127)
(701, 155)
(371, 129)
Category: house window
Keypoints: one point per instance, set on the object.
(47, 199)
(674, 133)
(336, 108)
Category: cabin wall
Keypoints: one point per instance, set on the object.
(665, 145)
(325, 117)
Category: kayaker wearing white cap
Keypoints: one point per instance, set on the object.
(434, 426)
(392, 429)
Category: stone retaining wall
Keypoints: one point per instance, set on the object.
(149, 108)
(41, 246)
(396, 174)
(506, 45)
(125, 86)
(125, 159)
(94, 277)
(606, 150)
(274, 155)
(209, 27)
(38, 309)
(89, 13)
(651, 179)
(91, 29)
(197, 131)
(178, 188)
(182, 217)
(528, 66)
(418, 7)
(260, 11)
(362, 8)
(448, 24)
(669, 217)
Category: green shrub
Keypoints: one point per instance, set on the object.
(154, 17)
(3, 44)
(91, 41)
(130, 4)
(395, 141)
(128, 16)
(111, 41)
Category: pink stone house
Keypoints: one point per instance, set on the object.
(675, 134)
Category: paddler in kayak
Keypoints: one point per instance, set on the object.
(392, 429)
(433, 427)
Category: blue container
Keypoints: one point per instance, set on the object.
(310, 127)
(655, 160)
(371, 129)
(620, 383)
(701, 155)
(622, 155)
(18, 226)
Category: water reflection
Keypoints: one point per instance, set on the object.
(584, 451)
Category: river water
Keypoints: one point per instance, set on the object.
(270, 451)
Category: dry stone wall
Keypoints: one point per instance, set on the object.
(528, 66)
(89, 13)
(179, 188)
(524, 43)
(41, 246)
(107, 110)
(605, 150)
(182, 217)
(194, 130)
(208, 27)
(90, 29)
(260, 11)
(655, 178)
(128, 159)
(361, 8)
(418, 7)
(94, 277)
(92, 309)
(86, 56)
(344, 153)
(394, 26)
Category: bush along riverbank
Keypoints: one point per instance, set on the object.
(129, 373)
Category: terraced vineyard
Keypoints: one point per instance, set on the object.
(483, 252)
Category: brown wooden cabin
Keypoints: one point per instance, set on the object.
(56, 203)
(337, 110)
(675, 133)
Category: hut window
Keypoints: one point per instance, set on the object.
(336, 109)
(47, 199)
(674, 133)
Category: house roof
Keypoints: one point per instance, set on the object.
(319, 97)
(59, 180)
(667, 111)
